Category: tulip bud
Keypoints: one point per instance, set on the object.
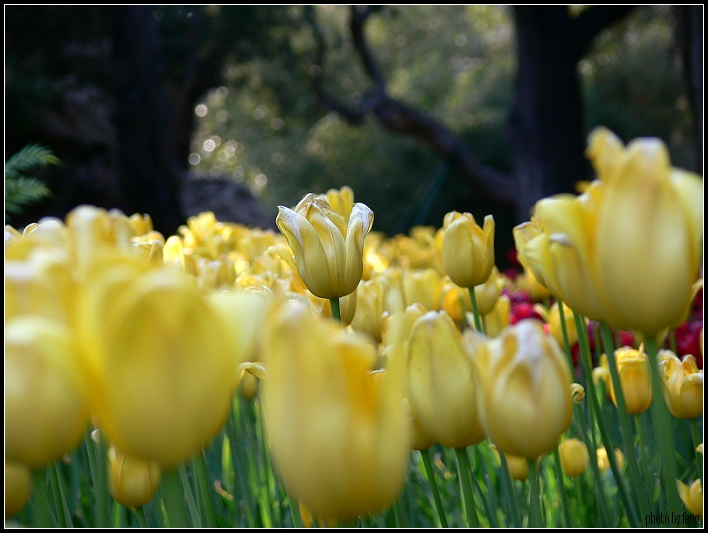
(692, 496)
(18, 487)
(132, 481)
(603, 462)
(370, 300)
(327, 247)
(635, 378)
(574, 456)
(487, 293)
(467, 249)
(441, 382)
(498, 318)
(682, 384)
(423, 287)
(518, 466)
(524, 397)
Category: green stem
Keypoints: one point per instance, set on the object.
(336, 313)
(41, 511)
(696, 441)
(189, 495)
(508, 487)
(561, 489)
(475, 311)
(99, 475)
(140, 513)
(465, 471)
(535, 518)
(204, 489)
(595, 409)
(60, 503)
(425, 454)
(644, 450)
(398, 514)
(294, 511)
(626, 432)
(566, 341)
(663, 428)
(173, 499)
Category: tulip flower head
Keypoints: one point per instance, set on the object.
(339, 437)
(682, 384)
(467, 249)
(327, 247)
(691, 496)
(132, 481)
(574, 456)
(524, 396)
(18, 487)
(635, 379)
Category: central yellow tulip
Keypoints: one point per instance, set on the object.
(635, 379)
(524, 385)
(340, 439)
(328, 248)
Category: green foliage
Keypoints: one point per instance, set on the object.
(22, 189)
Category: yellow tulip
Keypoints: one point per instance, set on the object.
(456, 300)
(132, 481)
(342, 201)
(45, 412)
(645, 271)
(423, 287)
(692, 496)
(328, 248)
(159, 359)
(18, 487)
(553, 319)
(340, 438)
(488, 292)
(574, 456)
(441, 382)
(498, 318)
(370, 300)
(635, 378)
(682, 384)
(467, 249)
(518, 466)
(603, 461)
(523, 384)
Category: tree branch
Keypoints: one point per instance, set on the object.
(400, 117)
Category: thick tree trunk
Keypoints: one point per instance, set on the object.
(148, 177)
(546, 122)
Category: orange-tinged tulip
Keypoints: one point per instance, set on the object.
(132, 481)
(45, 411)
(574, 456)
(467, 249)
(340, 438)
(328, 248)
(18, 487)
(441, 382)
(524, 386)
(682, 384)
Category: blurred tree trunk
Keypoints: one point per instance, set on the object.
(546, 122)
(149, 180)
(689, 33)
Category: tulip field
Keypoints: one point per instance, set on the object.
(328, 375)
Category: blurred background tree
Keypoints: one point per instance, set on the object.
(420, 109)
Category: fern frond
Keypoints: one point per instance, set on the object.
(32, 155)
(22, 191)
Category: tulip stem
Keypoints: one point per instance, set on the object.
(566, 338)
(561, 488)
(204, 490)
(508, 487)
(140, 514)
(663, 428)
(635, 476)
(475, 311)
(425, 454)
(595, 408)
(41, 511)
(99, 475)
(696, 441)
(174, 500)
(465, 471)
(535, 518)
(336, 314)
(63, 512)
